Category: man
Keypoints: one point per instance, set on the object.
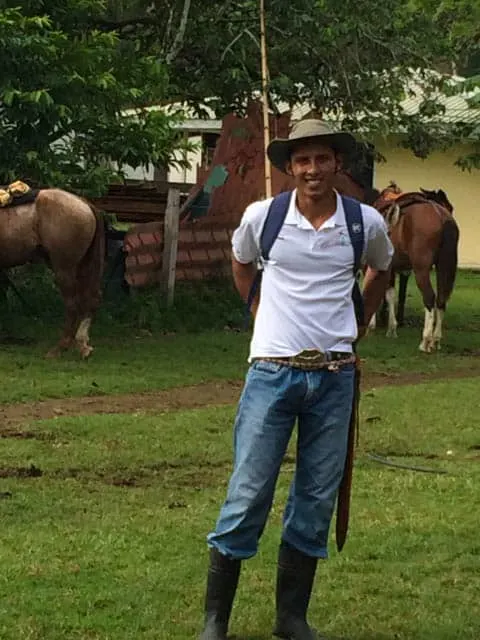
(301, 368)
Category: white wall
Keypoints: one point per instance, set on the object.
(140, 173)
(178, 174)
(175, 173)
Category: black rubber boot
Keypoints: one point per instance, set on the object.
(295, 576)
(222, 582)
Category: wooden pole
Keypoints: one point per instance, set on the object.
(266, 125)
(170, 243)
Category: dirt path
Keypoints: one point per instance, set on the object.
(201, 395)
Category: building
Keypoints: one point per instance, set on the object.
(438, 170)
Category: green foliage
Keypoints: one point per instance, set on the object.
(72, 67)
(459, 20)
(63, 91)
(355, 60)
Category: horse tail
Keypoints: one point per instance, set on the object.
(90, 269)
(447, 260)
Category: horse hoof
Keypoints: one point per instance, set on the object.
(392, 333)
(426, 348)
(85, 352)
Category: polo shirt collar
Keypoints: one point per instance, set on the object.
(295, 218)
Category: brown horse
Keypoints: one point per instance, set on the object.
(424, 234)
(68, 234)
(437, 196)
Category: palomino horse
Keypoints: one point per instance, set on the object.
(68, 234)
(424, 234)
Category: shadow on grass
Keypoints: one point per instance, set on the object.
(360, 636)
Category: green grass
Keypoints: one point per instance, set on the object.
(110, 541)
(123, 365)
(104, 517)
(140, 345)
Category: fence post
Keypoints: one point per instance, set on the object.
(170, 243)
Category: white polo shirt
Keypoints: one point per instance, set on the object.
(306, 290)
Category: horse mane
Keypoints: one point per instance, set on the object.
(438, 196)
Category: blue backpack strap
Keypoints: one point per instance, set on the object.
(276, 215)
(354, 220)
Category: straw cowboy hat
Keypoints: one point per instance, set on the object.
(280, 149)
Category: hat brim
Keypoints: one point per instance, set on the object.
(280, 150)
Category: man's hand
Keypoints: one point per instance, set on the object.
(362, 330)
(375, 284)
(243, 277)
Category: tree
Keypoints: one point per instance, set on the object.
(72, 68)
(459, 20)
(64, 89)
(354, 60)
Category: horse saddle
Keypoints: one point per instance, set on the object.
(17, 193)
(402, 200)
(392, 204)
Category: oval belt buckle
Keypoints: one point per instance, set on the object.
(311, 358)
(312, 354)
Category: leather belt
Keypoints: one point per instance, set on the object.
(312, 359)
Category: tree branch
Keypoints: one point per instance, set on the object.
(178, 42)
(168, 29)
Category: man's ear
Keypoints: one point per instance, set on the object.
(288, 169)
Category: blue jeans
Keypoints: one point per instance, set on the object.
(273, 398)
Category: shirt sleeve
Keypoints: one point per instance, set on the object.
(245, 242)
(379, 250)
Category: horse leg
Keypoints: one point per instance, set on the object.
(402, 295)
(67, 284)
(372, 325)
(427, 343)
(89, 301)
(443, 293)
(390, 305)
(383, 313)
(390, 297)
(82, 337)
(89, 283)
(422, 277)
(437, 332)
(78, 318)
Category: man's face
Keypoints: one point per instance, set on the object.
(313, 166)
